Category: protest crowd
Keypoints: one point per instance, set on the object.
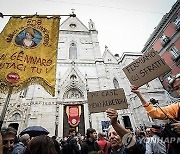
(117, 140)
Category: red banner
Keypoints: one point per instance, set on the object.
(73, 113)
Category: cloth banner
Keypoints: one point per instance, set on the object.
(73, 113)
(28, 53)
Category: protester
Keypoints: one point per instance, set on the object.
(41, 145)
(70, 146)
(148, 132)
(78, 142)
(116, 133)
(102, 143)
(141, 140)
(8, 138)
(154, 144)
(171, 112)
(1, 145)
(90, 143)
(20, 147)
(56, 144)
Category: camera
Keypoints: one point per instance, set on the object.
(153, 101)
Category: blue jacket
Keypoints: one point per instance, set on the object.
(19, 148)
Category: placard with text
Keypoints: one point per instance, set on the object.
(146, 68)
(100, 101)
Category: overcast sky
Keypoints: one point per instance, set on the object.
(123, 25)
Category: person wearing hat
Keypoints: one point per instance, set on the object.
(171, 112)
(28, 42)
(154, 144)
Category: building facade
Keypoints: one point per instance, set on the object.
(80, 69)
(165, 39)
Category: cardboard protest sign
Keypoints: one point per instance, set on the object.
(100, 101)
(146, 68)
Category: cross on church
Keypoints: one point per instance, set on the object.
(72, 11)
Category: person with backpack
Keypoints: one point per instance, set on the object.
(70, 146)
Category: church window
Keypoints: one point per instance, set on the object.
(16, 117)
(73, 94)
(72, 25)
(116, 84)
(73, 77)
(23, 93)
(73, 51)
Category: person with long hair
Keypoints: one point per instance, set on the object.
(42, 144)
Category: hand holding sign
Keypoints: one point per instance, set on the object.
(113, 115)
(135, 89)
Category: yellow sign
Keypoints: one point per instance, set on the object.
(28, 53)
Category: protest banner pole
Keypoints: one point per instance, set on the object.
(5, 106)
(10, 15)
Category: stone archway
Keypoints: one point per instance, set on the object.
(14, 125)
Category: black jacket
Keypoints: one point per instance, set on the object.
(88, 146)
(70, 146)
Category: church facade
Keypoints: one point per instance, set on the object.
(81, 68)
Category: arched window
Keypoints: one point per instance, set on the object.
(73, 94)
(15, 117)
(73, 77)
(73, 51)
(116, 84)
(23, 93)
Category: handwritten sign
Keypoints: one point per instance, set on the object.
(146, 68)
(100, 101)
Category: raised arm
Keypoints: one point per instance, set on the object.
(154, 112)
(113, 115)
(135, 90)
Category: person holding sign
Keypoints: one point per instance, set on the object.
(171, 112)
(122, 141)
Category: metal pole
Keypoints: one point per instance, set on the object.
(10, 15)
(5, 106)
